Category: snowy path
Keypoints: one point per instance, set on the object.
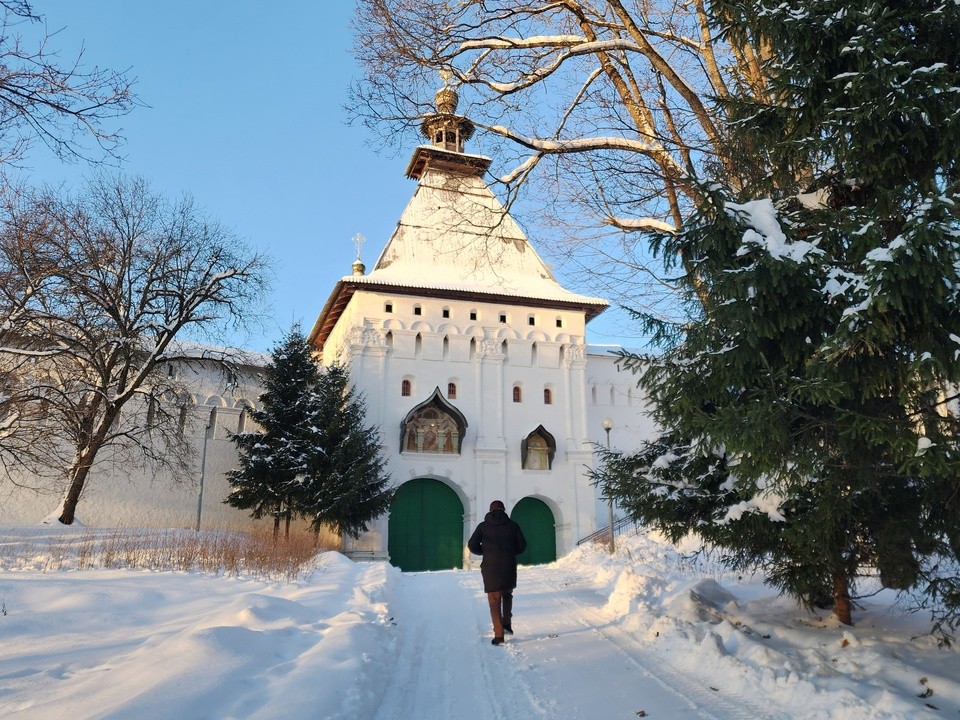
(443, 669)
(643, 634)
(566, 660)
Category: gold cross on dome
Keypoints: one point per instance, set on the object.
(358, 240)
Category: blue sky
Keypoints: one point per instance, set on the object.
(243, 110)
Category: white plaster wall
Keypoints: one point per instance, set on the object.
(612, 393)
(123, 493)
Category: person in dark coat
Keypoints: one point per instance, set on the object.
(499, 539)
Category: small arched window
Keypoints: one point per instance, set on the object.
(517, 394)
(452, 391)
(547, 396)
(537, 450)
(405, 388)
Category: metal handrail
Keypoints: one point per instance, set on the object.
(604, 532)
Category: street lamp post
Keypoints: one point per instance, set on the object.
(208, 431)
(607, 427)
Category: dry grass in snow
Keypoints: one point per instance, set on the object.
(242, 554)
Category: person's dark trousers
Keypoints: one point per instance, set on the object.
(501, 611)
(496, 613)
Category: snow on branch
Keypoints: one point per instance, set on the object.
(505, 43)
(764, 231)
(558, 147)
(642, 224)
(567, 47)
(522, 169)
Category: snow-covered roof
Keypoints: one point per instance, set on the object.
(455, 239)
(455, 235)
(188, 350)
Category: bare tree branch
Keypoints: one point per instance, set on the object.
(62, 102)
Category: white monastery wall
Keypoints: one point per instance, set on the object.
(121, 492)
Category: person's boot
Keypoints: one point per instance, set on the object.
(497, 641)
(507, 613)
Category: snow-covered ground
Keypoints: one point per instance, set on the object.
(644, 633)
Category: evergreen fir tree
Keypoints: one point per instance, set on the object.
(273, 459)
(809, 407)
(314, 457)
(345, 483)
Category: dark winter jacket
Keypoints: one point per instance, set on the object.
(499, 539)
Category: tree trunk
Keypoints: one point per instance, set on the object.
(841, 597)
(91, 440)
(276, 526)
(78, 475)
(286, 530)
(78, 478)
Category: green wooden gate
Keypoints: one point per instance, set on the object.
(425, 527)
(536, 520)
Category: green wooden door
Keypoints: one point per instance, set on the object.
(425, 527)
(536, 520)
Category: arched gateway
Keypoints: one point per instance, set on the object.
(425, 527)
(539, 528)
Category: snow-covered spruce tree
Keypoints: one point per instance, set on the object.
(345, 481)
(273, 458)
(809, 409)
(314, 457)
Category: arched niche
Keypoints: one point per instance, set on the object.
(433, 426)
(537, 450)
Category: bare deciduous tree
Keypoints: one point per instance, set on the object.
(60, 101)
(608, 104)
(127, 275)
